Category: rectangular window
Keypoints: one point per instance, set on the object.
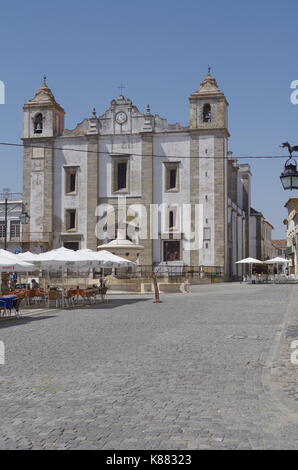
(207, 233)
(2, 229)
(71, 176)
(171, 176)
(120, 175)
(70, 219)
(171, 220)
(14, 229)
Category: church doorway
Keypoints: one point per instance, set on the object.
(171, 250)
(72, 245)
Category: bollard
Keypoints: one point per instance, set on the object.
(156, 290)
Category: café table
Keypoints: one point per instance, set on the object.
(9, 301)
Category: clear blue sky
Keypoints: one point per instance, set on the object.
(160, 50)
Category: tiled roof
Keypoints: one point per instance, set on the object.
(281, 243)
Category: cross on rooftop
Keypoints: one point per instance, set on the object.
(121, 88)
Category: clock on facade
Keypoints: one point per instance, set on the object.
(121, 117)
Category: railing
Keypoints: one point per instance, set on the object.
(144, 272)
(173, 273)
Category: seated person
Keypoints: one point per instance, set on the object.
(34, 284)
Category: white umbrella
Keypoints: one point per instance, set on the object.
(111, 260)
(29, 267)
(277, 260)
(97, 259)
(105, 259)
(8, 264)
(11, 255)
(28, 256)
(61, 257)
(250, 262)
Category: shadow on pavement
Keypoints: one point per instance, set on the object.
(6, 323)
(112, 303)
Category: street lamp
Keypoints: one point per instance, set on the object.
(289, 177)
(24, 216)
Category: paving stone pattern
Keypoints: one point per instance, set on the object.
(131, 374)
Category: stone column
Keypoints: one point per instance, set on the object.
(26, 194)
(48, 195)
(92, 190)
(194, 187)
(147, 194)
(220, 209)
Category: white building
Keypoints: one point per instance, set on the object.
(11, 208)
(292, 233)
(140, 158)
(261, 244)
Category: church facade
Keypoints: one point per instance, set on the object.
(179, 179)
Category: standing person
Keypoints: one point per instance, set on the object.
(14, 280)
(106, 281)
(34, 284)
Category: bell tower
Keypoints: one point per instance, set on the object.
(43, 116)
(208, 128)
(208, 106)
(43, 122)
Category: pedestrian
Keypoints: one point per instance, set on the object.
(34, 284)
(187, 286)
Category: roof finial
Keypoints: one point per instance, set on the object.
(148, 109)
(44, 81)
(94, 112)
(121, 88)
(209, 69)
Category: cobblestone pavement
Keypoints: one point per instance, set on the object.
(193, 372)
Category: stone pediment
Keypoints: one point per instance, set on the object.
(208, 86)
(44, 96)
(136, 121)
(118, 104)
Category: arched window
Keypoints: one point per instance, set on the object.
(38, 124)
(207, 113)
